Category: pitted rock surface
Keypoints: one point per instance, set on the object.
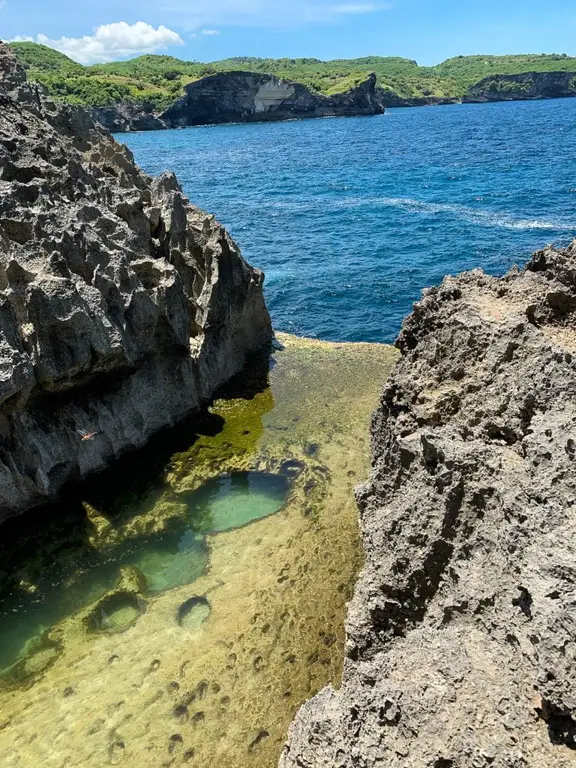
(122, 306)
(461, 642)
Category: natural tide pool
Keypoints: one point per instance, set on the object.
(178, 609)
(46, 592)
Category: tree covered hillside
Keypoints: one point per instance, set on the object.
(160, 79)
(72, 83)
(468, 70)
(405, 77)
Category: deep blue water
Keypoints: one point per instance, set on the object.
(350, 218)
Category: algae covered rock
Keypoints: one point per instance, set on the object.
(460, 637)
(131, 580)
(122, 306)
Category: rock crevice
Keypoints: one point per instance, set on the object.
(122, 306)
(460, 648)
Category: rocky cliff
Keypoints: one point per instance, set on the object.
(530, 85)
(128, 116)
(389, 98)
(248, 97)
(122, 307)
(461, 645)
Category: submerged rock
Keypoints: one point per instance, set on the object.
(460, 648)
(249, 97)
(122, 306)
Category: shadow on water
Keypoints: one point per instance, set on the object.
(53, 564)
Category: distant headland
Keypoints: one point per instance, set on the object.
(153, 92)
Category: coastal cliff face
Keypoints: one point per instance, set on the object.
(128, 116)
(122, 306)
(527, 86)
(247, 97)
(389, 98)
(460, 648)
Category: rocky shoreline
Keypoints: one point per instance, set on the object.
(249, 97)
(241, 97)
(245, 97)
(123, 307)
(524, 87)
(460, 636)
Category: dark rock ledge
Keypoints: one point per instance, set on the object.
(461, 649)
(122, 306)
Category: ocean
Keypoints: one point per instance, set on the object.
(351, 218)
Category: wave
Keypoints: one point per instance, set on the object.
(411, 205)
(475, 215)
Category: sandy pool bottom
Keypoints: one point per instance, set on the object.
(211, 673)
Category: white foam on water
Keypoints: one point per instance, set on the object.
(477, 216)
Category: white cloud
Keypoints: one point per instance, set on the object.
(196, 19)
(113, 41)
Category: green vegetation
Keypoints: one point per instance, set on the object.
(402, 76)
(40, 58)
(74, 84)
(507, 86)
(160, 79)
(467, 70)
(99, 91)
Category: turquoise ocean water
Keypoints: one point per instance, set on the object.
(350, 218)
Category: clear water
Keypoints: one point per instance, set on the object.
(351, 218)
(234, 500)
(77, 574)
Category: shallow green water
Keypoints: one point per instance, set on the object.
(73, 575)
(235, 500)
(214, 670)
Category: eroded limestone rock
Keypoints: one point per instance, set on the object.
(460, 649)
(252, 97)
(122, 306)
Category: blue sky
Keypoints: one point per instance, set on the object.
(426, 30)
